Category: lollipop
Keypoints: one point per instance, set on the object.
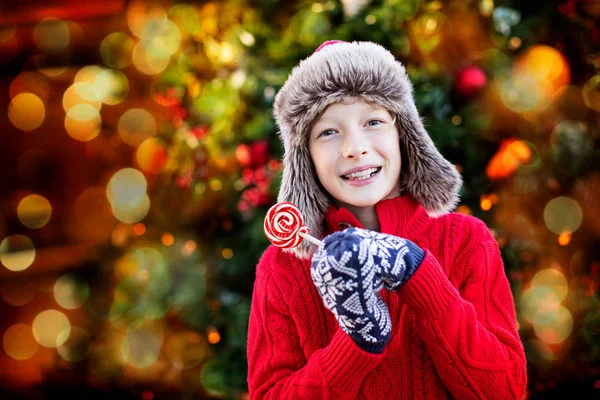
(284, 226)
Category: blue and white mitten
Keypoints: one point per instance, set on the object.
(396, 259)
(345, 276)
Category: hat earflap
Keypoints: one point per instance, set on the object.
(299, 186)
(431, 179)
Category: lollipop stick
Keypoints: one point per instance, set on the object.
(311, 239)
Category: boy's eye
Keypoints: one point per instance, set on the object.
(326, 133)
(374, 122)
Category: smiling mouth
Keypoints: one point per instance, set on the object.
(358, 176)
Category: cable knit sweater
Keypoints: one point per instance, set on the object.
(454, 331)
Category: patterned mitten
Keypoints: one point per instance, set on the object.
(396, 259)
(346, 279)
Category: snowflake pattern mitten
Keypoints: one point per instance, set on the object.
(396, 259)
(345, 276)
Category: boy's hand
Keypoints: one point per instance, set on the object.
(345, 276)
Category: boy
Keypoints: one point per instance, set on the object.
(364, 172)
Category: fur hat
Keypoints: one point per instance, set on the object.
(341, 71)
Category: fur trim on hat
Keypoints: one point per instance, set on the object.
(357, 70)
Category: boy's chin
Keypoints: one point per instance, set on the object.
(359, 203)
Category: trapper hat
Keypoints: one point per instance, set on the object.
(337, 72)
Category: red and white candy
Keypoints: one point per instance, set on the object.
(284, 226)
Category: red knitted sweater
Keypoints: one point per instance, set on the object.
(454, 329)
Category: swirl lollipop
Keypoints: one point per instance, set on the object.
(284, 226)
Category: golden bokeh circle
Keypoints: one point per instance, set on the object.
(136, 125)
(83, 122)
(19, 343)
(34, 211)
(48, 327)
(17, 252)
(563, 214)
(26, 111)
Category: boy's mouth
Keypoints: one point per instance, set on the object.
(361, 175)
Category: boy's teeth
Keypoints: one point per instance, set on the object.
(361, 175)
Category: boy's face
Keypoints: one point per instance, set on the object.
(356, 153)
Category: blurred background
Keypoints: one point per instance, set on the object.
(138, 157)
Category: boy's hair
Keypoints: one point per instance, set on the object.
(338, 72)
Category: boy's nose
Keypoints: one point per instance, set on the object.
(354, 145)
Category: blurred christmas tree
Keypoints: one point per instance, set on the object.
(506, 94)
(509, 91)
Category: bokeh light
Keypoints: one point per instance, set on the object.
(126, 187)
(139, 12)
(544, 62)
(83, 122)
(553, 326)
(213, 335)
(148, 63)
(17, 252)
(19, 343)
(137, 264)
(26, 111)
(142, 344)
(213, 378)
(75, 346)
(136, 125)
(126, 192)
(90, 218)
(570, 102)
(512, 155)
(71, 291)
(186, 18)
(132, 213)
(160, 38)
(553, 280)
(114, 86)
(188, 247)
(536, 299)
(151, 155)
(523, 93)
(139, 229)
(186, 350)
(115, 50)
(167, 239)
(563, 214)
(48, 327)
(536, 75)
(34, 211)
(51, 35)
(591, 93)
(30, 82)
(81, 93)
(572, 146)
(87, 74)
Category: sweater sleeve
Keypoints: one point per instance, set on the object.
(471, 336)
(277, 368)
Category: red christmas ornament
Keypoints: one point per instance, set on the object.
(469, 81)
(253, 155)
(259, 153)
(199, 131)
(242, 153)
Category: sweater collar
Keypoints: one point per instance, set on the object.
(401, 216)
